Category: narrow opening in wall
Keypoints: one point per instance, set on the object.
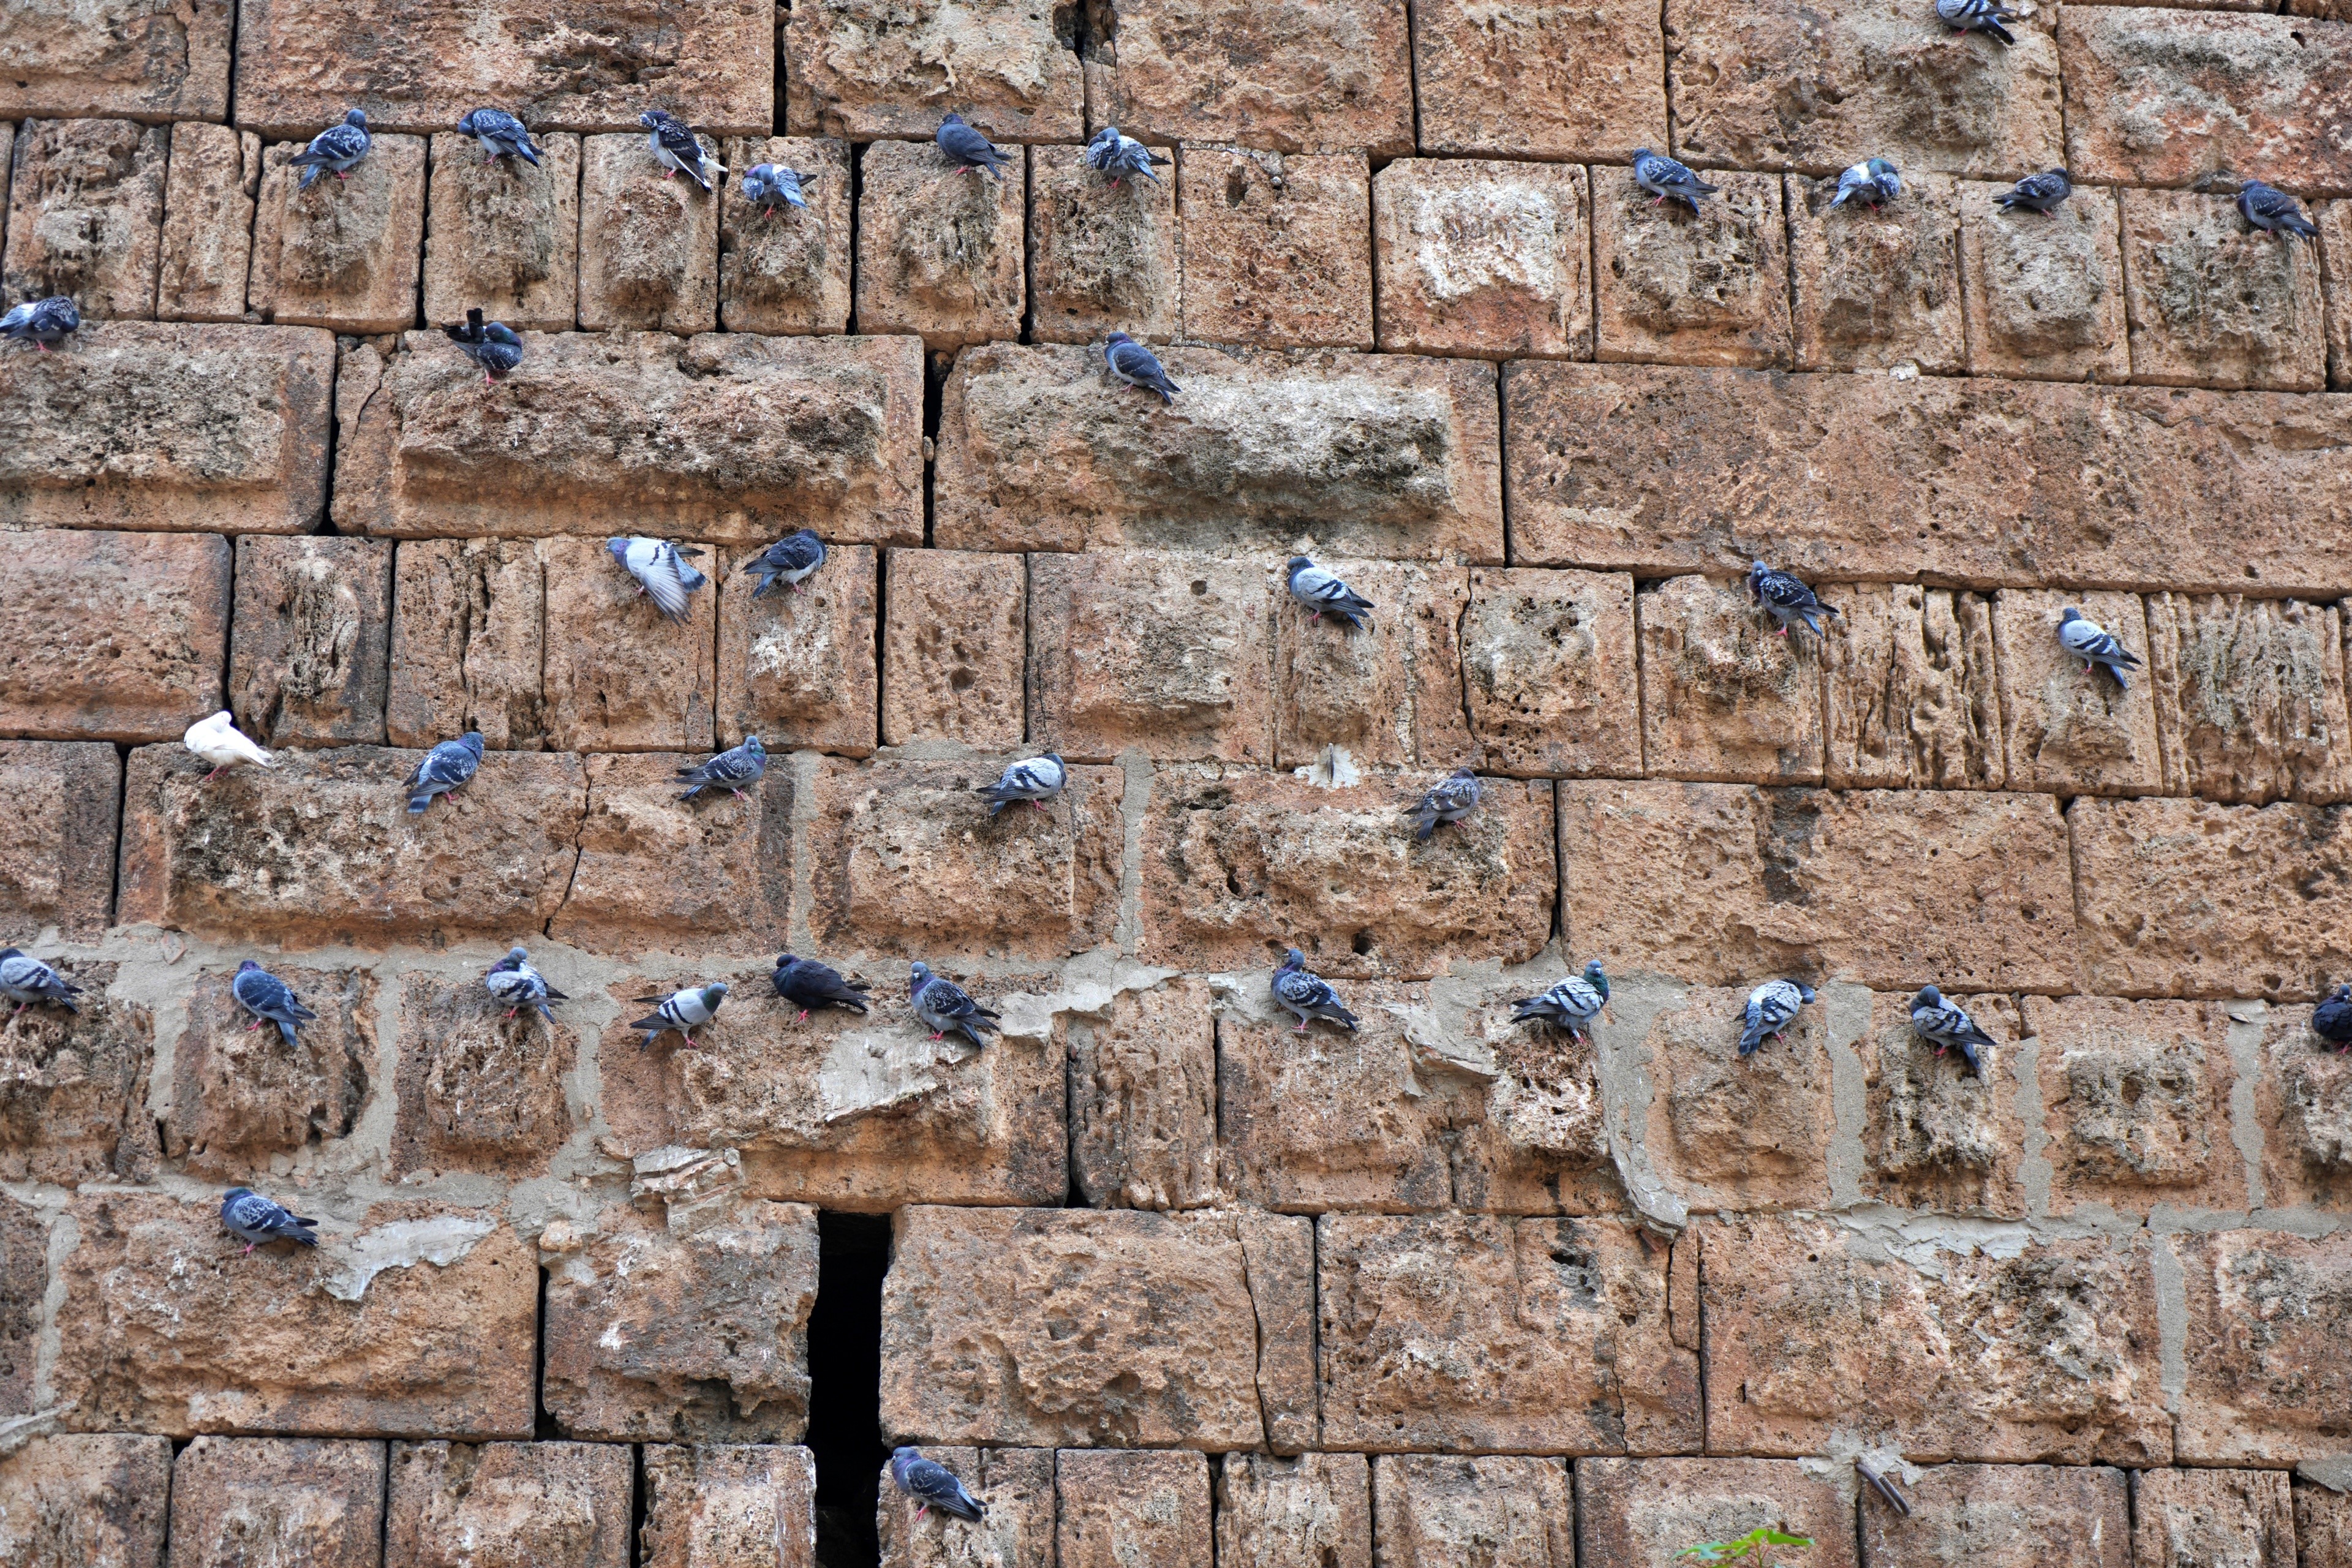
(845, 1358)
(543, 1426)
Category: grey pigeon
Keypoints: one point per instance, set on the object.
(269, 1000)
(444, 768)
(943, 1004)
(1977, 16)
(1307, 995)
(2268, 207)
(2331, 1019)
(1788, 599)
(1033, 779)
(812, 986)
(789, 560)
(660, 570)
(934, 1486)
(673, 147)
(1769, 1007)
(41, 322)
(1450, 799)
(775, 184)
(967, 148)
(1572, 1004)
(26, 981)
(1664, 178)
(1948, 1027)
(1131, 362)
(746, 765)
(501, 134)
(248, 1214)
(1325, 595)
(1873, 182)
(2041, 192)
(512, 980)
(336, 149)
(493, 345)
(1119, 156)
(685, 1011)
(2094, 644)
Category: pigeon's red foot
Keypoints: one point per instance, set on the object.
(1300, 1030)
(938, 1035)
(512, 1011)
(211, 776)
(248, 1249)
(803, 1017)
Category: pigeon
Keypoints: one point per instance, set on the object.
(1450, 799)
(1119, 156)
(2268, 207)
(774, 184)
(674, 148)
(943, 1006)
(1033, 779)
(2094, 644)
(789, 560)
(41, 322)
(444, 768)
(2331, 1020)
(1572, 1004)
(1769, 1007)
(2041, 192)
(216, 740)
(746, 765)
(248, 1214)
(270, 1001)
(1873, 182)
(512, 980)
(1136, 365)
(1663, 178)
(685, 1011)
(1324, 595)
(1977, 16)
(1946, 1026)
(1307, 995)
(335, 149)
(967, 148)
(501, 134)
(934, 1486)
(1788, 599)
(812, 986)
(26, 981)
(495, 347)
(660, 570)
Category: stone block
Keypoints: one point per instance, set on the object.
(468, 633)
(648, 241)
(2204, 1519)
(647, 682)
(1682, 288)
(950, 673)
(130, 430)
(2043, 292)
(85, 215)
(321, 850)
(242, 1097)
(457, 1504)
(1549, 671)
(1143, 1097)
(1473, 1334)
(1277, 249)
(2334, 222)
(475, 1089)
(655, 868)
(2006, 1516)
(1386, 456)
(1322, 78)
(502, 237)
(1728, 1132)
(865, 71)
(309, 1500)
(796, 667)
(1482, 258)
(712, 1506)
(1390, 695)
(1102, 1325)
(117, 57)
(24, 1285)
(1783, 87)
(2302, 1103)
(66, 797)
(2322, 1525)
(1911, 689)
(2143, 89)
(1876, 290)
(113, 637)
(1101, 259)
(1113, 1509)
(1171, 655)
(639, 431)
(1586, 84)
(425, 1320)
(344, 254)
(2068, 731)
(1725, 695)
(1631, 1513)
(2214, 302)
(1312, 1511)
(2273, 915)
(1236, 867)
(939, 248)
(780, 268)
(907, 860)
(207, 242)
(99, 1501)
(2266, 1383)
(2250, 698)
(2136, 1100)
(1498, 1512)
(307, 664)
(1935, 1136)
(73, 1085)
(1017, 1484)
(1971, 888)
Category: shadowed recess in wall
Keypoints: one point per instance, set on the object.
(845, 1347)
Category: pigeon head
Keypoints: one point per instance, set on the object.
(1299, 563)
(1293, 959)
(247, 965)
(234, 1193)
(752, 745)
(518, 954)
(356, 117)
(2063, 174)
(1880, 167)
(917, 978)
(472, 740)
(1757, 569)
(652, 118)
(785, 958)
(7, 952)
(1639, 154)
(901, 1460)
(500, 333)
(1106, 136)
(620, 550)
(1461, 773)
(714, 994)
(952, 118)
(1928, 998)
(1118, 337)
(1804, 991)
(2069, 613)
(1596, 977)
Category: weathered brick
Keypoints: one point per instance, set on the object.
(85, 215)
(681, 873)
(242, 1097)
(1482, 258)
(1502, 1512)
(1101, 259)
(307, 664)
(647, 684)
(1547, 81)
(316, 1501)
(24, 1287)
(66, 797)
(1313, 1511)
(477, 1089)
(115, 636)
(457, 1504)
(2006, 1516)
(939, 247)
(1877, 289)
(96, 1500)
(2214, 302)
(2322, 1525)
(1631, 1513)
(783, 268)
(648, 241)
(2334, 222)
(1143, 1097)
(2205, 1518)
(73, 1086)
(1935, 1136)
(866, 69)
(1728, 1132)
(1277, 250)
(1911, 689)
(2265, 1386)
(1390, 695)
(468, 625)
(1682, 288)
(1017, 1485)
(119, 56)
(502, 237)
(1112, 1509)
(2250, 698)
(1550, 673)
(797, 667)
(2066, 729)
(713, 1506)
(2136, 1100)
(2303, 1104)
(1724, 694)
(345, 253)
(954, 644)
(2043, 292)
(208, 241)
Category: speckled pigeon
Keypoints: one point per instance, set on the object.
(789, 560)
(501, 134)
(1977, 16)
(2268, 207)
(674, 148)
(446, 767)
(1789, 600)
(1136, 365)
(660, 570)
(967, 148)
(774, 184)
(934, 1486)
(26, 981)
(746, 765)
(812, 986)
(1307, 995)
(1033, 779)
(2094, 644)
(1769, 1007)
(943, 1004)
(1450, 799)
(1873, 182)
(494, 345)
(1117, 155)
(1665, 179)
(1948, 1027)
(336, 149)
(512, 980)
(1572, 1004)
(1324, 595)
(246, 1213)
(269, 1000)
(685, 1011)
(41, 322)
(2331, 1020)
(2041, 192)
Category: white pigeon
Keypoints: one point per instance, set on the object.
(217, 741)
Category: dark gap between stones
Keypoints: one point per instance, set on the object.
(845, 1360)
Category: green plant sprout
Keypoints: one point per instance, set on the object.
(1748, 1549)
